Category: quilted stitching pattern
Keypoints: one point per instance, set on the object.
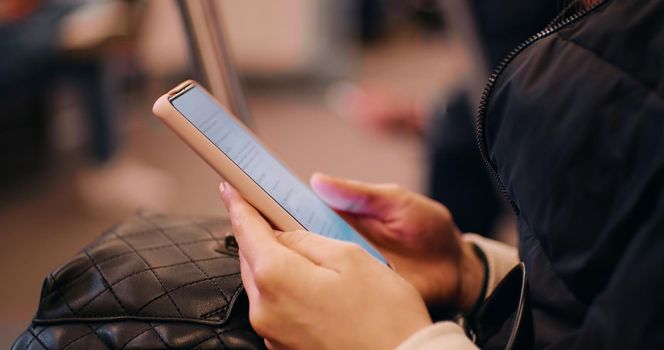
(152, 282)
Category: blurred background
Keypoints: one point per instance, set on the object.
(341, 87)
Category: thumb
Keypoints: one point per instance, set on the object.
(323, 251)
(318, 249)
(356, 197)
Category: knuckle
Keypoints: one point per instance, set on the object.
(259, 319)
(238, 220)
(394, 189)
(389, 191)
(350, 251)
(263, 277)
(290, 239)
(268, 274)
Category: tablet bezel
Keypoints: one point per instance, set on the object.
(219, 161)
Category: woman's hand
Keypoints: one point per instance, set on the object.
(416, 234)
(310, 292)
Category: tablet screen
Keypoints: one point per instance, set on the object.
(266, 171)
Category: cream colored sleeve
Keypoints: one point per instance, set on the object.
(441, 335)
(501, 258)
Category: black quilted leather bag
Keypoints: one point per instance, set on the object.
(150, 283)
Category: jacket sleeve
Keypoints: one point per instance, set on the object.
(501, 258)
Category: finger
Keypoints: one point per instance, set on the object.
(253, 233)
(373, 229)
(247, 276)
(320, 250)
(355, 197)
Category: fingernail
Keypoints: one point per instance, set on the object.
(222, 186)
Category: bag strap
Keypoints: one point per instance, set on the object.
(504, 320)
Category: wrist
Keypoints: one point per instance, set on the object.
(472, 278)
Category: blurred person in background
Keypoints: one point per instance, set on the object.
(46, 43)
(572, 131)
(456, 173)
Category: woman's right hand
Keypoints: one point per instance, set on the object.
(416, 234)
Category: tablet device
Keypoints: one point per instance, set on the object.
(241, 159)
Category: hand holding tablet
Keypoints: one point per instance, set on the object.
(239, 157)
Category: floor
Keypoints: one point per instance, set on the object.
(45, 221)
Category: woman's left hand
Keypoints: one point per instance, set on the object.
(307, 291)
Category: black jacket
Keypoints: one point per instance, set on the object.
(572, 127)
